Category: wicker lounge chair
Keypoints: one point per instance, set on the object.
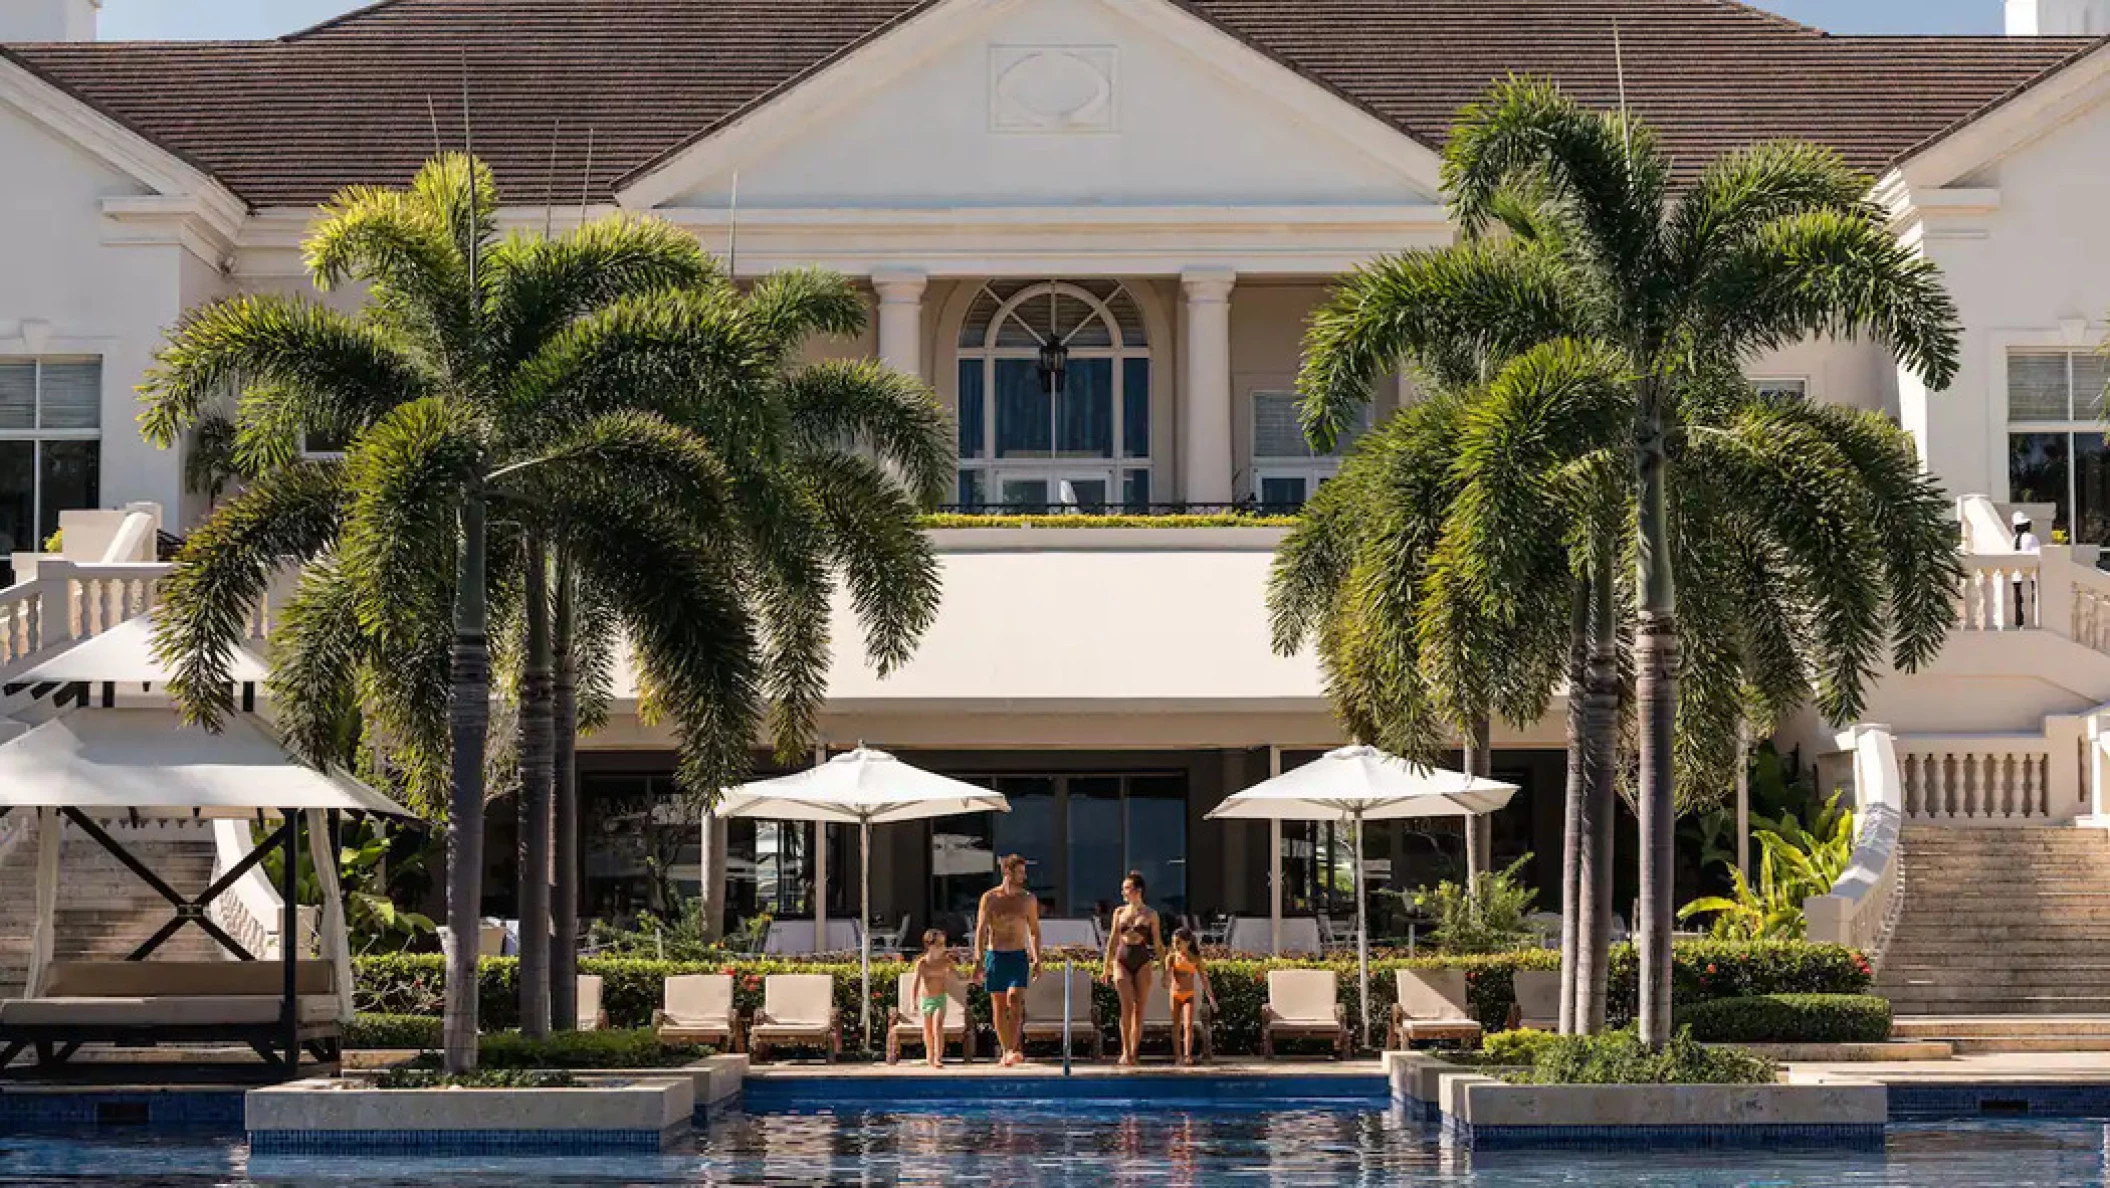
(904, 1024)
(1538, 1000)
(798, 1010)
(1044, 1012)
(1303, 1003)
(698, 1010)
(1433, 1005)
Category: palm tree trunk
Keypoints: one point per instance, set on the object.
(535, 765)
(469, 720)
(1656, 689)
(1600, 798)
(1479, 830)
(564, 779)
(1575, 813)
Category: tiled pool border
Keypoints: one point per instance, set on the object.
(176, 1108)
(776, 1095)
(463, 1142)
(1849, 1136)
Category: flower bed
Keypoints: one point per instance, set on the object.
(631, 988)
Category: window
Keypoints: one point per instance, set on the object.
(1085, 448)
(2055, 444)
(51, 416)
(1786, 391)
(1286, 470)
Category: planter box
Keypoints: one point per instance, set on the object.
(1416, 1079)
(1484, 1112)
(716, 1079)
(636, 1112)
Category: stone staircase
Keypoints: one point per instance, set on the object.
(104, 909)
(2001, 921)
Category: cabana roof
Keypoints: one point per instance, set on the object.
(147, 762)
(124, 655)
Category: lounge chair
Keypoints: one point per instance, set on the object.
(1044, 1012)
(491, 940)
(904, 1024)
(1306, 1004)
(172, 1002)
(1433, 1005)
(1157, 1019)
(591, 1016)
(1538, 1000)
(698, 1010)
(798, 1010)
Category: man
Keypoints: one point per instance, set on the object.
(1007, 952)
(2025, 542)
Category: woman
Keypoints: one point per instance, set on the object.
(1133, 945)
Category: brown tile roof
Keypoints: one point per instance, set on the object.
(354, 100)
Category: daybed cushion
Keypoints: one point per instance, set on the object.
(191, 1010)
(143, 979)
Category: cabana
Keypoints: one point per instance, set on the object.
(95, 764)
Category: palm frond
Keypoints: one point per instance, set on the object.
(864, 405)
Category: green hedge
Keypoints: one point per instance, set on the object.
(394, 1031)
(631, 988)
(1620, 1058)
(1790, 1019)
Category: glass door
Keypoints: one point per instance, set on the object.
(1097, 863)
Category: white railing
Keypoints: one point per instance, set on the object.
(1862, 906)
(1995, 779)
(251, 911)
(2002, 592)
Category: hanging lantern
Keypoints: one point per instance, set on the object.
(1054, 366)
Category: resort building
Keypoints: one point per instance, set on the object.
(1165, 188)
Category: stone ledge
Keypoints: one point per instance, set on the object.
(637, 1112)
(1484, 1111)
(1853, 1053)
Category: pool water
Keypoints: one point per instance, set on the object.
(1107, 1148)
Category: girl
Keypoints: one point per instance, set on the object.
(934, 979)
(1184, 967)
(1132, 948)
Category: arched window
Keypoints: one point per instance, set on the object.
(1087, 446)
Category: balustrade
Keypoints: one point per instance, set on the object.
(1977, 781)
(2002, 592)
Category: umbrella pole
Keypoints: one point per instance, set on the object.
(864, 930)
(1362, 925)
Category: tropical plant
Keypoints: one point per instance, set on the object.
(1622, 1058)
(374, 867)
(1486, 918)
(1794, 864)
(1625, 327)
(603, 397)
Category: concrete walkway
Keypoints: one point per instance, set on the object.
(1993, 1068)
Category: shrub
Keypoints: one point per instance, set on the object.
(412, 984)
(1790, 1019)
(1620, 1058)
(631, 1048)
(1490, 919)
(483, 1078)
(393, 1031)
(1519, 1047)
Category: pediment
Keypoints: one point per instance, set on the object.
(1036, 103)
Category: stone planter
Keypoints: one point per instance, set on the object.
(1484, 1112)
(634, 1112)
(716, 1080)
(1416, 1079)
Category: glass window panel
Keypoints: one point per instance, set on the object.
(70, 471)
(1122, 305)
(18, 394)
(1025, 326)
(1282, 491)
(1135, 408)
(2090, 372)
(18, 470)
(1084, 425)
(2091, 485)
(2037, 386)
(1135, 490)
(1786, 390)
(1024, 420)
(1026, 493)
(973, 407)
(974, 332)
(972, 492)
(1029, 830)
(2037, 471)
(962, 866)
(71, 395)
(1084, 494)
(1157, 840)
(1276, 433)
(1096, 859)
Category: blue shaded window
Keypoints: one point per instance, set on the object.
(1024, 420)
(1085, 428)
(972, 408)
(1135, 408)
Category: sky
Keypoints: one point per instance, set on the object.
(128, 19)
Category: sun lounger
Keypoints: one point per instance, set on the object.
(1433, 1005)
(591, 1016)
(173, 1002)
(1044, 1012)
(1303, 1003)
(698, 1009)
(492, 940)
(1157, 1018)
(798, 1010)
(904, 1023)
(1538, 1000)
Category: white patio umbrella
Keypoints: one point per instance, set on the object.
(864, 788)
(1357, 784)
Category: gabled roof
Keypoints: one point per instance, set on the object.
(356, 99)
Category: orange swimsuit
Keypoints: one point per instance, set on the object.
(1183, 967)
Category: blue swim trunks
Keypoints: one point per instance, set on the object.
(1004, 970)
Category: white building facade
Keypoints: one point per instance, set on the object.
(1166, 185)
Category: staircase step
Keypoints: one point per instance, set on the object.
(2004, 1026)
(1918, 1004)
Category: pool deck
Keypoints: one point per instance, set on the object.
(1994, 1068)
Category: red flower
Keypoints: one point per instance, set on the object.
(1710, 967)
(754, 982)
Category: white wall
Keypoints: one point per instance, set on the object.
(98, 299)
(1856, 374)
(1175, 131)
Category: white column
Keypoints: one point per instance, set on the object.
(1205, 407)
(901, 320)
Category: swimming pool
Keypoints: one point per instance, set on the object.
(1106, 1148)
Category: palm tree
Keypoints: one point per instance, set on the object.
(611, 400)
(1661, 286)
